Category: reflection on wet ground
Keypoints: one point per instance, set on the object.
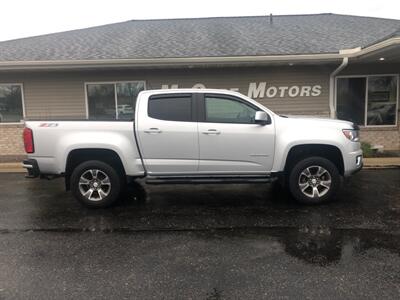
(193, 241)
(324, 246)
(370, 200)
(313, 263)
(368, 204)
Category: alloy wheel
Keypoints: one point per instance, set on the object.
(315, 181)
(94, 185)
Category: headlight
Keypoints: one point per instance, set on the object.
(351, 134)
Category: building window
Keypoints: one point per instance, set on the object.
(113, 100)
(382, 100)
(368, 100)
(11, 109)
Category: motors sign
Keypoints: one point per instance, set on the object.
(262, 89)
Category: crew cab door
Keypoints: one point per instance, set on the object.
(230, 141)
(167, 134)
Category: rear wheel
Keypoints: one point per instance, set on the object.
(96, 184)
(314, 180)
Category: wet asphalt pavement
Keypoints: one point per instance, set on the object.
(201, 242)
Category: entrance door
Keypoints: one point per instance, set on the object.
(229, 139)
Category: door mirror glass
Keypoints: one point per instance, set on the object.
(262, 118)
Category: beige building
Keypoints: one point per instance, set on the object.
(321, 65)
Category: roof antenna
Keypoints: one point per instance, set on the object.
(271, 21)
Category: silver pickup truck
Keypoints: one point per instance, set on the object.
(194, 136)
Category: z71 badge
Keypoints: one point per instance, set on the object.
(48, 125)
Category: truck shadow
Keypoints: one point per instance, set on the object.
(213, 195)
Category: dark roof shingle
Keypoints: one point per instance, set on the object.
(205, 37)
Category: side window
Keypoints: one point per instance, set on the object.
(173, 108)
(225, 110)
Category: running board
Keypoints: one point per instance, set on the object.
(208, 179)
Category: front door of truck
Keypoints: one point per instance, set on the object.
(167, 134)
(229, 139)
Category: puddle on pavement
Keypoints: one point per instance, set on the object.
(315, 245)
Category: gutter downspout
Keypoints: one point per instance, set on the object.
(332, 108)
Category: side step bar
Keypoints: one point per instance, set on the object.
(208, 179)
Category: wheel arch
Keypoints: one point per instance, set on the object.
(78, 156)
(299, 152)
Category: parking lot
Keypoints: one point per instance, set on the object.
(201, 242)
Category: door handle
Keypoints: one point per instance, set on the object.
(212, 131)
(153, 130)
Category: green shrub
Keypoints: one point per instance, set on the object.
(367, 151)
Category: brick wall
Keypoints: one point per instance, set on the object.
(390, 139)
(11, 144)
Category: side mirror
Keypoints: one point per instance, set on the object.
(262, 118)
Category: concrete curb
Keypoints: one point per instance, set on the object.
(381, 162)
(11, 168)
(369, 164)
(378, 167)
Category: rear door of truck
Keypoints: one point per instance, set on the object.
(167, 133)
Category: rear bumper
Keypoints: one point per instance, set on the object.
(32, 168)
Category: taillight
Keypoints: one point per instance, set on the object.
(28, 140)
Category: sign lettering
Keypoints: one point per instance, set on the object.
(263, 90)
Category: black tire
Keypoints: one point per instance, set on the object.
(107, 196)
(298, 176)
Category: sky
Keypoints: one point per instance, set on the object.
(24, 18)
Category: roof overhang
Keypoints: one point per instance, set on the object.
(166, 62)
(199, 61)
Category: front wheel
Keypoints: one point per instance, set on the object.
(96, 184)
(314, 180)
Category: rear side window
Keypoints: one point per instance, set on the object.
(171, 108)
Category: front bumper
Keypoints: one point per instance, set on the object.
(32, 168)
(354, 171)
(354, 163)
